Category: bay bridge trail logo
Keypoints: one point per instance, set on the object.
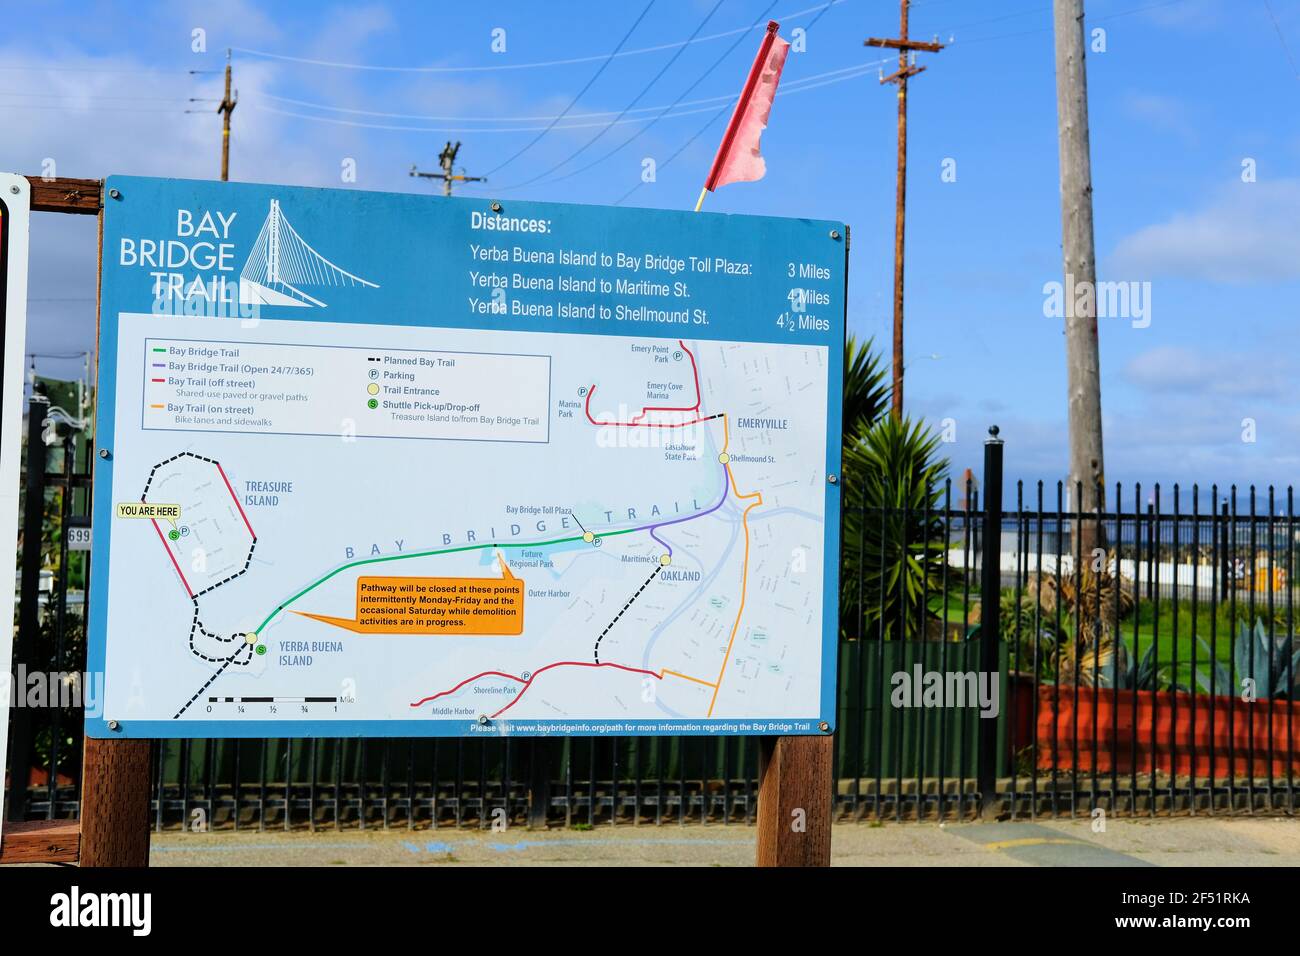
(281, 263)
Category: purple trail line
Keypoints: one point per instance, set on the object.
(699, 514)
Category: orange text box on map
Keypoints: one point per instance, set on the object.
(429, 605)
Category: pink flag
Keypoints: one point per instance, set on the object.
(739, 159)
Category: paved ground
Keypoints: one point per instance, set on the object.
(1167, 842)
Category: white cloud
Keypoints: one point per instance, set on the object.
(1178, 369)
(1161, 112)
(1247, 234)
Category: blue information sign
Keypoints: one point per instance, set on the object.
(391, 465)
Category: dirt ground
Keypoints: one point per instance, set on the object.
(1162, 842)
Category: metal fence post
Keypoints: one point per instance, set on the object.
(539, 782)
(990, 623)
(29, 618)
(1225, 572)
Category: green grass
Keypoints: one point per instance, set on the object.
(955, 604)
(1158, 625)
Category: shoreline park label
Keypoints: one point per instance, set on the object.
(391, 465)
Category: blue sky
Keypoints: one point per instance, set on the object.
(1184, 93)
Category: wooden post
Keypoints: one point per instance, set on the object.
(1083, 366)
(115, 784)
(794, 801)
(906, 48)
(226, 108)
(40, 841)
(115, 777)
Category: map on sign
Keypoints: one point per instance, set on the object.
(394, 465)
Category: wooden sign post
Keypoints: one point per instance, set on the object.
(795, 793)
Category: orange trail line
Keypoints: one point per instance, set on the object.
(688, 677)
(744, 576)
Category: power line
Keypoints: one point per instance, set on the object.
(835, 76)
(76, 69)
(1281, 37)
(474, 119)
(711, 101)
(641, 132)
(83, 109)
(680, 149)
(93, 96)
(1108, 16)
(636, 99)
(574, 102)
(713, 119)
(819, 8)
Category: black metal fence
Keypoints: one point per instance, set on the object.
(1136, 657)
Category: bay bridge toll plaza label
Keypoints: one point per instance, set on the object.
(399, 465)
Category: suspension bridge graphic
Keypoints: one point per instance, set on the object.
(281, 263)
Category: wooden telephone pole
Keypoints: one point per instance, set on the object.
(1082, 363)
(446, 159)
(227, 107)
(906, 53)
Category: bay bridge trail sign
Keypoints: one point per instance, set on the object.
(378, 464)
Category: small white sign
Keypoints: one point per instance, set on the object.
(15, 207)
(78, 537)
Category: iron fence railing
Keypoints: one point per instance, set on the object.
(1140, 657)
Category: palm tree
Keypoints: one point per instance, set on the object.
(893, 555)
(866, 390)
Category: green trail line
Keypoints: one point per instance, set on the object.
(491, 544)
(428, 554)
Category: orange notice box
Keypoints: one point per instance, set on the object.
(409, 605)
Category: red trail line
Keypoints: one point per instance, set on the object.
(645, 409)
(167, 548)
(529, 683)
(236, 500)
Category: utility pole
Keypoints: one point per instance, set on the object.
(227, 107)
(1083, 367)
(906, 67)
(445, 159)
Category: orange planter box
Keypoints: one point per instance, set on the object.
(1215, 732)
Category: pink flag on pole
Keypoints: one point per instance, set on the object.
(739, 159)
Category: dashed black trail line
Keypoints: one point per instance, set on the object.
(196, 625)
(248, 558)
(219, 671)
(653, 575)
